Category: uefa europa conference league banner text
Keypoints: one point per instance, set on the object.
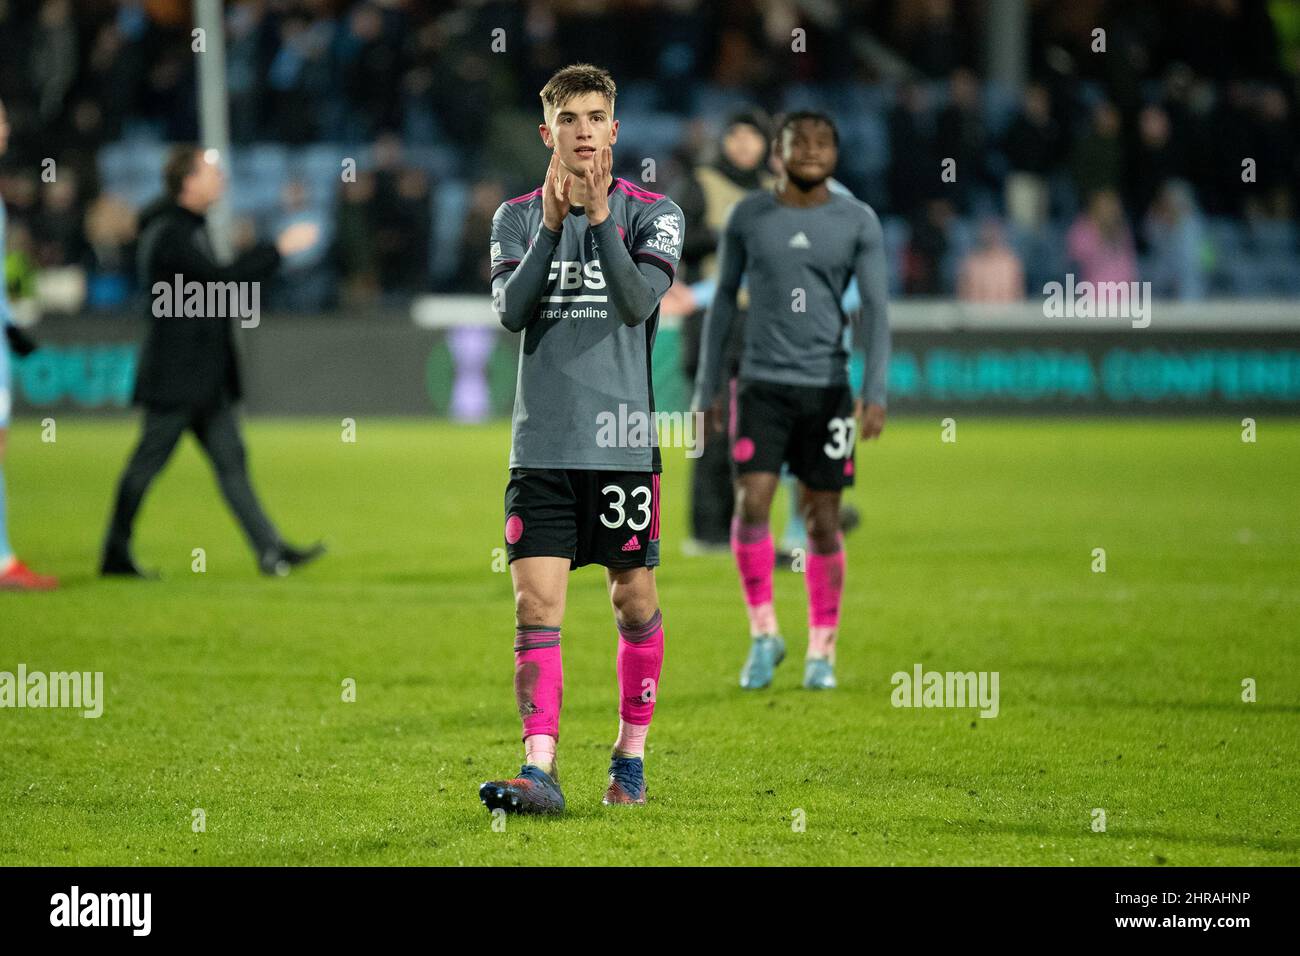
(333, 364)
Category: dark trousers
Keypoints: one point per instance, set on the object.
(217, 430)
(712, 494)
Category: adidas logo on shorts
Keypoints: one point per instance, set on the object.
(633, 544)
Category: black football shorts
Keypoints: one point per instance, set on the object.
(610, 518)
(812, 429)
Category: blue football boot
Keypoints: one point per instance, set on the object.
(766, 651)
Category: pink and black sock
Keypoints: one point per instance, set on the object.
(539, 691)
(640, 659)
(755, 557)
(824, 579)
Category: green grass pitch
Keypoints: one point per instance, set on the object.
(1119, 690)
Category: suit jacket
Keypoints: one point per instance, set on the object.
(189, 360)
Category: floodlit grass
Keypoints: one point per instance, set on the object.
(1119, 690)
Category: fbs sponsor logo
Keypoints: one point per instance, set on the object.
(637, 429)
(78, 690)
(569, 276)
(923, 688)
(74, 908)
(179, 299)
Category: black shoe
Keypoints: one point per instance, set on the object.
(280, 561)
(123, 566)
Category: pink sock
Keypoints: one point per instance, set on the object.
(824, 579)
(640, 659)
(539, 679)
(755, 556)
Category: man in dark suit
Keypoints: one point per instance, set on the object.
(189, 370)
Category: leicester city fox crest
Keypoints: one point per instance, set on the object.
(668, 234)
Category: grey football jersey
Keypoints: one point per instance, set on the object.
(589, 327)
(798, 262)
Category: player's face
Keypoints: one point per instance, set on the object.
(578, 129)
(4, 130)
(808, 152)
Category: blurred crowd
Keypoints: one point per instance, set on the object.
(1117, 163)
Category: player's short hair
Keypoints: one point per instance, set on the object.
(575, 80)
(181, 160)
(816, 116)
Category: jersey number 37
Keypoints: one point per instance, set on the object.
(842, 432)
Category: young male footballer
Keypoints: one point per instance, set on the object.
(799, 245)
(579, 266)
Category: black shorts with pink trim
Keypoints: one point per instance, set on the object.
(809, 428)
(610, 518)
